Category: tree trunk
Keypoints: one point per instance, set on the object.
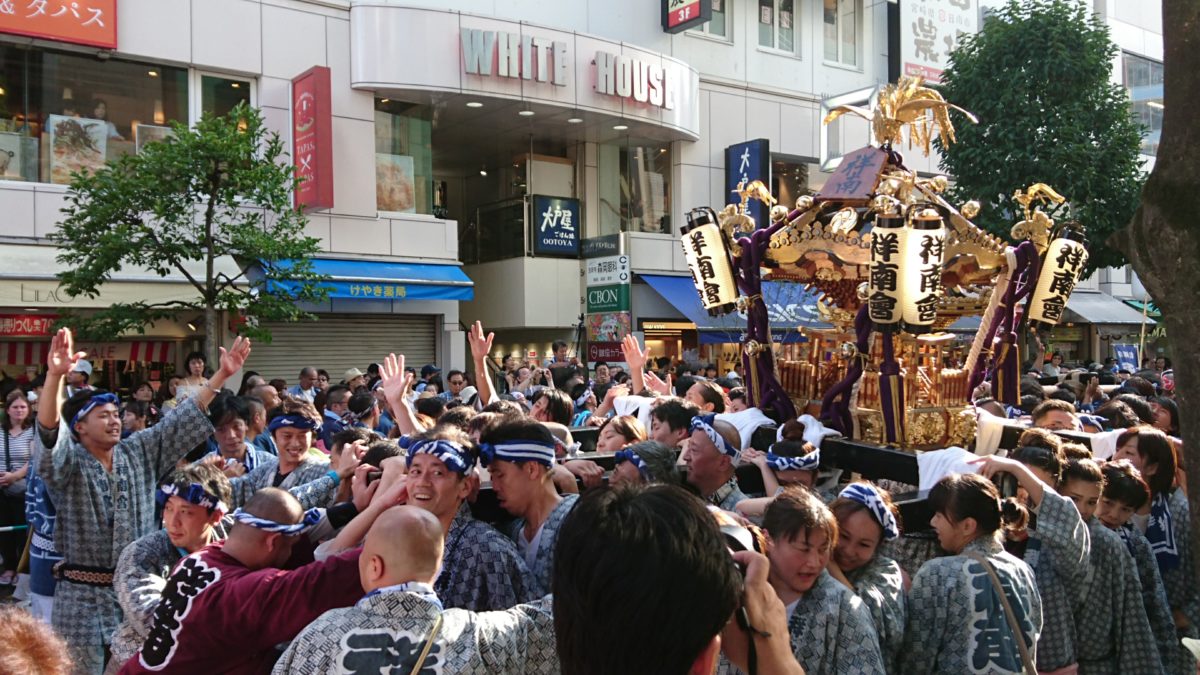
(212, 336)
(1163, 241)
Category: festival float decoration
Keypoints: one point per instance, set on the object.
(894, 264)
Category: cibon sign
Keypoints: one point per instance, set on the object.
(627, 77)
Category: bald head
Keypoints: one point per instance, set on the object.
(267, 394)
(728, 432)
(404, 544)
(275, 505)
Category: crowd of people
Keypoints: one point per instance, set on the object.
(329, 527)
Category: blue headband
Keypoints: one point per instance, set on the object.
(809, 462)
(869, 497)
(291, 422)
(517, 451)
(453, 455)
(93, 403)
(631, 456)
(704, 423)
(311, 517)
(587, 393)
(194, 494)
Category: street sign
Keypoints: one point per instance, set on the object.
(746, 162)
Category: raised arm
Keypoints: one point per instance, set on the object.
(59, 362)
(396, 383)
(231, 362)
(481, 346)
(636, 358)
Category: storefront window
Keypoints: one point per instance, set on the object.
(635, 188)
(1144, 80)
(219, 95)
(841, 38)
(403, 157)
(62, 112)
(718, 26)
(777, 25)
(793, 179)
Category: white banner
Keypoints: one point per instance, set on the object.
(930, 30)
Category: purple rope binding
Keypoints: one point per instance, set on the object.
(1005, 368)
(835, 406)
(770, 393)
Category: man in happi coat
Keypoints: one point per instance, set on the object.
(401, 626)
(103, 488)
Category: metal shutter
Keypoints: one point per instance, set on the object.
(337, 342)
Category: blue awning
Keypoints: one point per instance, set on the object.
(373, 280)
(789, 306)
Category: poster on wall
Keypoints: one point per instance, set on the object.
(149, 133)
(394, 187)
(609, 326)
(76, 144)
(930, 30)
(10, 157)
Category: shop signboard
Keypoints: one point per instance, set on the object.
(605, 351)
(930, 30)
(1127, 357)
(609, 326)
(613, 269)
(556, 225)
(614, 298)
(596, 247)
(81, 22)
(26, 325)
(746, 162)
(680, 15)
(312, 138)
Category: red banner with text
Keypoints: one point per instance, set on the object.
(312, 138)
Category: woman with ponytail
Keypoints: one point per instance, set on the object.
(977, 610)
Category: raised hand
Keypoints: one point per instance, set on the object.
(634, 356)
(394, 380)
(234, 358)
(62, 356)
(481, 345)
(655, 383)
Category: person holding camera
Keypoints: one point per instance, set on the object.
(978, 609)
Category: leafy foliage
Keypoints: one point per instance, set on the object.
(1039, 77)
(222, 188)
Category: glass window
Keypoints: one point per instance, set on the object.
(403, 157)
(777, 25)
(841, 31)
(61, 112)
(635, 188)
(718, 26)
(219, 95)
(1144, 80)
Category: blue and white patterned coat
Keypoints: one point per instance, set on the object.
(543, 564)
(1114, 633)
(481, 568)
(1176, 659)
(880, 585)
(1058, 555)
(956, 622)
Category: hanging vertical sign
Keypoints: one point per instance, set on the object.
(884, 292)
(930, 30)
(746, 162)
(312, 138)
(555, 222)
(680, 15)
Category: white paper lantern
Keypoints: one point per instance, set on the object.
(884, 290)
(923, 247)
(1065, 261)
(708, 259)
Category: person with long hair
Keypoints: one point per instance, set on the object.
(618, 433)
(1166, 521)
(552, 405)
(957, 621)
(866, 518)
(18, 448)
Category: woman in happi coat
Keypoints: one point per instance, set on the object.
(866, 517)
(957, 623)
(1165, 521)
(1114, 632)
(831, 629)
(1124, 493)
(1057, 545)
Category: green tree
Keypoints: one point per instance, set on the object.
(1039, 77)
(221, 188)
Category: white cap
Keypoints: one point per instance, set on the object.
(83, 366)
(467, 392)
(733, 375)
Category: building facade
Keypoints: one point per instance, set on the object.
(525, 164)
